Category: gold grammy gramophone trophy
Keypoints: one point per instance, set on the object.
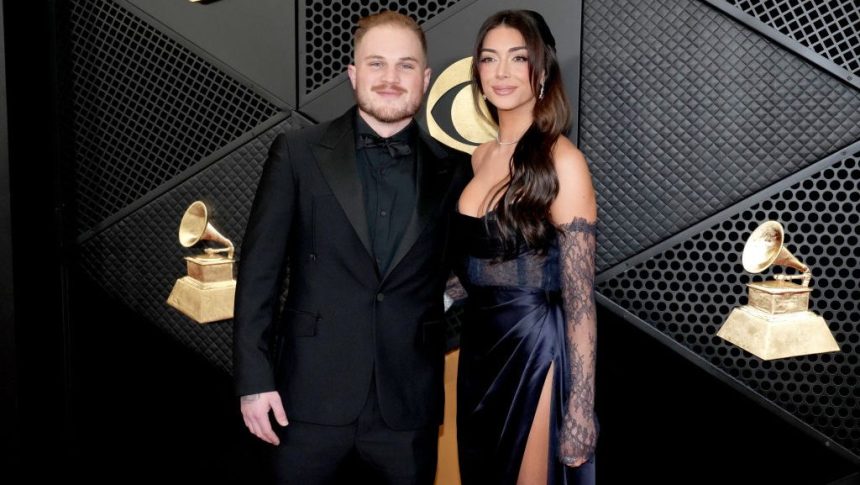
(207, 293)
(777, 322)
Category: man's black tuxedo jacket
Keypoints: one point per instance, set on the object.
(343, 321)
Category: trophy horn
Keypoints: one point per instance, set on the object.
(764, 248)
(195, 227)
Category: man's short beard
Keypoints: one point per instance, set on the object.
(391, 114)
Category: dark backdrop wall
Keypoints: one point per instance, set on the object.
(34, 327)
(700, 120)
(8, 372)
(254, 40)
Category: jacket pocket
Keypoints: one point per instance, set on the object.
(300, 323)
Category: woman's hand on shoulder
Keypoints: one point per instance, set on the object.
(575, 191)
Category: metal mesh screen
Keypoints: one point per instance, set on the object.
(685, 112)
(138, 259)
(142, 108)
(329, 27)
(688, 291)
(830, 28)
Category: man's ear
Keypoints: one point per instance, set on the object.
(350, 71)
(427, 73)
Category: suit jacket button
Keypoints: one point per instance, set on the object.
(380, 297)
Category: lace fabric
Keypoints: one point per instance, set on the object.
(485, 266)
(577, 241)
(528, 269)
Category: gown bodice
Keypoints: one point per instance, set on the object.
(482, 264)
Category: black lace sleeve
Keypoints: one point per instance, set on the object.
(454, 291)
(579, 427)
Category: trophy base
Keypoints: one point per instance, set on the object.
(775, 336)
(203, 302)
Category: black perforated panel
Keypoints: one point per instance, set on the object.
(684, 112)
(830, 28)
(688, 291)
(142, 108)
(329, 27)
(138, 259)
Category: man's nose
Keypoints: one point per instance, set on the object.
(391, 74)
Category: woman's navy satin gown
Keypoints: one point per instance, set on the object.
(512, 333)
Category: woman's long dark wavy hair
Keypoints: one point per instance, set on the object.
(524, 204)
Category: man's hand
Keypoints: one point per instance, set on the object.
(255, 413)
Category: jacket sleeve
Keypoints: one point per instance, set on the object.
(578, 435)
(261, 271)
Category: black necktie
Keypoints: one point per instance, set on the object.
(396, 148)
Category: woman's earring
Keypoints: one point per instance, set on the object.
(484, 96)
(540, 96)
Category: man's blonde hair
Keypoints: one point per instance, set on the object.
(388, 17)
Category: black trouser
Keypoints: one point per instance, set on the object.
(311, 454)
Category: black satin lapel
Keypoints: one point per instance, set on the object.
(338, 167)
(430, 190)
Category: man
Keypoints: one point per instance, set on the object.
(357, 209)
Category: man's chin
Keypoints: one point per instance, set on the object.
(389, 115)
(393, 118)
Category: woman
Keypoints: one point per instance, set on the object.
(527, 219)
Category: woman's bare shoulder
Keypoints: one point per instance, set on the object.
(576, 196)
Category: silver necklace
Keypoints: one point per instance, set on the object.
(504, 143)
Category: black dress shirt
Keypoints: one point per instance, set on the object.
(388, 184)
